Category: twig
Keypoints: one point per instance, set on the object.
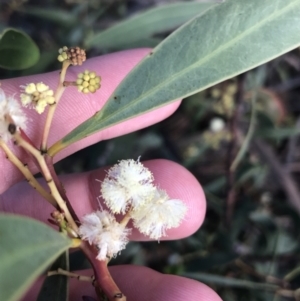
(233, 124)
(284, 178)
(60, 271)
(47, 175)
(249, 135)
(250, 270)
(60, 188)
(58, 93)
(27, 174)
(102, 275)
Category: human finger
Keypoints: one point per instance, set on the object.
(141, 283)
(74, 108)
(83, 190)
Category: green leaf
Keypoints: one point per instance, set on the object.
(55, 288)
(278, 133)
(229, 282)
(17, 50)
(58, 16)
(227, 40)
(137, 29)
(27, 247)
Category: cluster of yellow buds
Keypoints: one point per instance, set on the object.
(225, 105)
(88, 82)
(76, 55)
(39, 95)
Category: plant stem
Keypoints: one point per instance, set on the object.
(249, 134)
(60, 188)
(47, 175)
(58, 93)
(103, 278)
(27, 174)
(71, 275)
(126, 219)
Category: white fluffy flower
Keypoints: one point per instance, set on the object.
(127, 183)
(158, 215)
(10, 110)
(101, 229)
(216, 124)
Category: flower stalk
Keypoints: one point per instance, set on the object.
(102, 276)
(27, 174)
(58, 93)
(47, 175)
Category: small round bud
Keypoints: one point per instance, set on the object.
(88, 82)
(60, 58)
(75, 55)
(86, 77)
(92, 89)
(31, 88)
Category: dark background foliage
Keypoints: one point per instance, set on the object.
(248, 247)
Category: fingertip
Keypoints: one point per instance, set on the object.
(146, 284)
(171, 177)
(180, 184)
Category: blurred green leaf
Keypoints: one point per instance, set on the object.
(55, 288)
(58, 16)
(137, 29)
(27, 247)
(209, 262)
(227, 40)
(46, 59)
(17, 50)
(278, 133)
(281, 242)
(230, 282)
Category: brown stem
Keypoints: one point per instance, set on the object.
(60, 271)
(48, 177)
(61, 189)
(233, 124)
(284, 178)
(103, 278)
(69, 84)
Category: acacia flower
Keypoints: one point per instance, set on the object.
(158, 214)
(38, 95)
(88, 82)
(12, 117)
(75, 55)
(127, 184)
(101, 229)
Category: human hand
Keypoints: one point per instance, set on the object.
(137, 283)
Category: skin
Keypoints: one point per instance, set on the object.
(136, 282)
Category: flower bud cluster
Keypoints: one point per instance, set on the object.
(88, 82)
(75, 55)
(12, 117)
(38, 95)
(128, 189)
